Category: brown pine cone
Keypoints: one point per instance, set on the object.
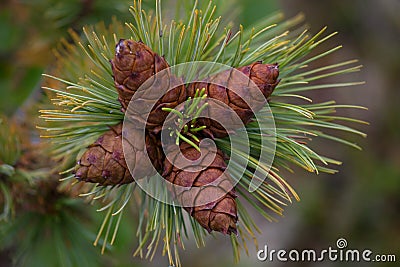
(104, 161)
(135, 63)
(205, 191)
(132, 65)
(221, 87)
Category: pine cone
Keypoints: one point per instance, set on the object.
(208, 194)
(104, 161)
(134, 64)
(221, 87)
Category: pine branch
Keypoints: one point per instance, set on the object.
(86, 104)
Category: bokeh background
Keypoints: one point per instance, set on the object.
(361, 203)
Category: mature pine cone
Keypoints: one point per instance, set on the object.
(134, 64)
(104, 161)
(222, 87)
(206, 192)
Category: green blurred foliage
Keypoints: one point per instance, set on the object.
(252, 11)
(29, 30)
(361, 202)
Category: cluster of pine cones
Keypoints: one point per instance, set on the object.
(104, 162)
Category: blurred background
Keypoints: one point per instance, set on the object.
(361, 203)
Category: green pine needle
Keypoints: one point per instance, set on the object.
(186, 129)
